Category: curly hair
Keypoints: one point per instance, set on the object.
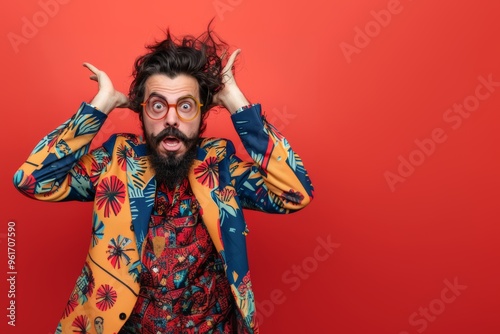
(200, 57)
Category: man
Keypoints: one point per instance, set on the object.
(168, 252)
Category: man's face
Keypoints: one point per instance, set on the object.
(171, 141)
(169, 136)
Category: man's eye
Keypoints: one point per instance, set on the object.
(186, 105)
(157, 106)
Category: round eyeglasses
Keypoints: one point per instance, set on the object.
(187, 107)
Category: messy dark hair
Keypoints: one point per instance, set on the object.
(200, 57)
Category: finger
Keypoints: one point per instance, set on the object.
(223, 55)
(93, 77)
(231, 60)
(91, 67)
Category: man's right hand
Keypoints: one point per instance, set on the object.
(107, 98)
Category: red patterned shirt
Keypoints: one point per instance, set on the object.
(183, 284)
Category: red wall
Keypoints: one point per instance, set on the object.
(393, 105)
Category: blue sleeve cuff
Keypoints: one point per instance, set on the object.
(249, 125)
(88, 108)
(245, 107)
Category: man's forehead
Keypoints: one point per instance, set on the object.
(164, 84)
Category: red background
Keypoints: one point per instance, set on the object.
(351, 117)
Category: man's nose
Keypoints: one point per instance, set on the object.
(171, 118)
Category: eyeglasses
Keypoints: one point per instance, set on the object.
(187, 107)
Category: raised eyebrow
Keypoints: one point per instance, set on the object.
(155, 94)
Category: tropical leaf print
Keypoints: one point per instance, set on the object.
(48, 141)
(224, 198)
(136, 169)
(134, 270)
(84, 285)
(101, 159)
(70, 305)
(220, 147)
(88, 124)
(97, 230)
(106, 297)
(276, 202)
(226, 194)
(28, 185)
(143, 199)
(110, 195)
(123, 153)
(226, 210)
(257, 157)
(292, 196)
(79, 180)
(101, 156)
(82, 324)
(208, 172)
(117, 249)
(62, 148)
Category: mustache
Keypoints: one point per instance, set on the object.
(169, 132)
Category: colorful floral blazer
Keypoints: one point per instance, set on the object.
(117, 177)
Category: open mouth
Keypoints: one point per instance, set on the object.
(171, 143)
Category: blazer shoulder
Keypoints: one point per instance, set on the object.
(216, 143)
(131, 138)
(128, 139)
(220, 146)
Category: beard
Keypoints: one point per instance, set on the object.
(171, 169)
